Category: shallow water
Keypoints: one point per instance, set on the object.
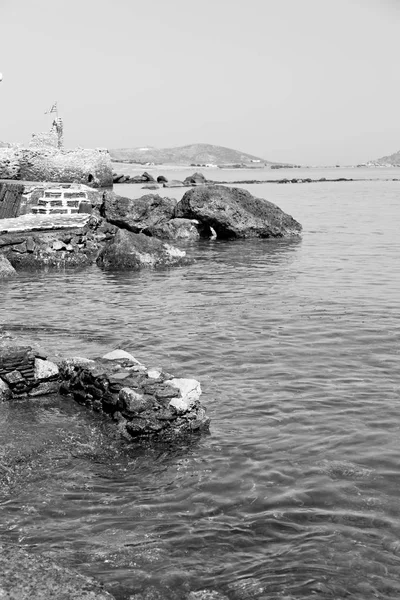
(296, 344)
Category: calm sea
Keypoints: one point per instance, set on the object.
(296, 491)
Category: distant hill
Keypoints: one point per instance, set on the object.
(392, 159)
(185, 155)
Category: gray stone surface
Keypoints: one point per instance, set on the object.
(137, 215)
(135, 251)
(26, 576)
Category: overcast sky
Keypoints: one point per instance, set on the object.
(302, 81)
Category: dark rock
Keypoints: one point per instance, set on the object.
(196, 178)
(6, 268)
(136, 251)
(235, 213)
(137, 215)
(148, 177)
(137, 179)
(119, 178)
(162, 179)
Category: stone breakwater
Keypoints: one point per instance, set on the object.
(145, 403)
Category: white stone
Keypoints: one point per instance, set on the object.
(174, 252)
(5, 391)
(153, 374)
(190, 392)
(57, 245)
(120, 355)
(44, 369)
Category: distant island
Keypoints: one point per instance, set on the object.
(193, 154)
(393, 160)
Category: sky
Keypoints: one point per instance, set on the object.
(312, 82)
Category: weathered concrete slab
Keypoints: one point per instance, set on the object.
(31, 222)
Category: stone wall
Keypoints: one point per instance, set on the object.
(92, 167)
(46, 163)
(145, 403)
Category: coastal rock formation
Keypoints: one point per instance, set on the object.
(6, 268)
(195, 179)
(135, 251)
(137, 215)
(146, 403)
(162, 179)
(235, 213)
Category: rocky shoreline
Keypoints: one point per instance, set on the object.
(150, 232)
(199, 179)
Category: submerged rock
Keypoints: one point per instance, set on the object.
(26, 576)
(235, 213)
(136, 251)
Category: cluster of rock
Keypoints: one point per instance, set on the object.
(131, 234)
(145, 403)
(203, 212)
(152, 183)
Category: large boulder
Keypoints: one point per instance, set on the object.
(137, 215)
(135, 251)
(235, 213)
(195, 179)
(6, 268)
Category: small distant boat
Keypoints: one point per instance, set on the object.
(60, 201)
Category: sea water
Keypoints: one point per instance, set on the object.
(295, 492)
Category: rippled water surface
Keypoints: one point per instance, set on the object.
(295, 493)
